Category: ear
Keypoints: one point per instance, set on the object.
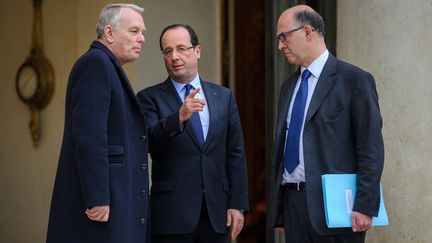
(308, 30)
(108, 32)
(198, 51)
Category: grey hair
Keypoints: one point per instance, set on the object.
(311, 18)
(110, 15)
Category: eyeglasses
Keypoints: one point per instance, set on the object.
(281, 37)
(180, 50)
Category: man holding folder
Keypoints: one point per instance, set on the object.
(328, 122)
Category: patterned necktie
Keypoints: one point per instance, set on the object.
(292, 145)
(195, 119)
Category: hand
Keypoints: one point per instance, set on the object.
(280, 230)
(98, 213)
(190, 105)
(361, 222)
(236, 219)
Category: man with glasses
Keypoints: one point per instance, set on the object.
(328, 122)
(199, 177)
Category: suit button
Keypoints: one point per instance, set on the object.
(142, 220)
(143, 192)
(199, 184)
(143, 166)
(143, 138)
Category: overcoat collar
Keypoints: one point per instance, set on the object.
(119, 69)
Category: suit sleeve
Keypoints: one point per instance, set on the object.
(367, 124)
(160, 130)
(236, 160)
(90, 96)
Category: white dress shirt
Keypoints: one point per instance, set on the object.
(204, 115)
(298, 175)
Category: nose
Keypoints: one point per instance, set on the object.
(281, 45)
(174, 55)
(141, 37)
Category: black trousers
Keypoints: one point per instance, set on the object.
(203, 233)
(298, 228)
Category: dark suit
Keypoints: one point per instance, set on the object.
(182, 170)
(103, 157)
(342, 134)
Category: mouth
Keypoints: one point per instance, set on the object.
(176, 67)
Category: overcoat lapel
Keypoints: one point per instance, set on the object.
(325, 82)
(171, 96)
(212, 101)
(286, 100)
(128, 87)
(119, 69)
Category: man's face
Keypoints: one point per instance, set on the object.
(181, 61)
(129, 37)
(293, 41)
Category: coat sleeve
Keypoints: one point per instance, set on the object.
(161, 130)
(90, 103)
(236, 160)
(367, 124)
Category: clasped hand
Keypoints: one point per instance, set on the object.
(361, 222)
(98, 213)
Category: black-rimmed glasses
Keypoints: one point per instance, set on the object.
(281, 37)
(180, 50)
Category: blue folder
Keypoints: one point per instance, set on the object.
(339, 193)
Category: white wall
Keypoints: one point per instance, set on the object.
(393, 41)
(26, 173)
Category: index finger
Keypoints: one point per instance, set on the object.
(192, 95)
(354, 223)
(228, 218)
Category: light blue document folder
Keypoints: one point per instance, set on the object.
(339, 193)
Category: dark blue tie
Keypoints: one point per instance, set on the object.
(195, 119)
(292, 145)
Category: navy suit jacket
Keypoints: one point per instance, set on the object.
(103, 156)
(182, 170)
(342, 134)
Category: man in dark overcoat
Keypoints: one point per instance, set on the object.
(101, 187)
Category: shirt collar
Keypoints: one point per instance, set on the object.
(317, 66)
(179, 86)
